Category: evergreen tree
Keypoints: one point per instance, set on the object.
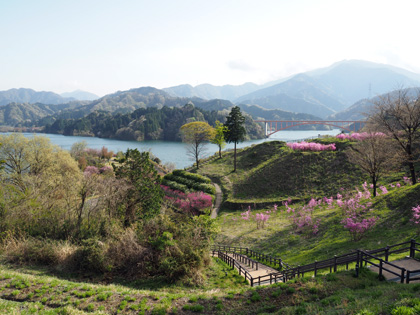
(144, 195)
(235, 129)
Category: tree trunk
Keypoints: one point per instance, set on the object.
(234, 159)
(374, 186)
(197, 160)
(220, 152)
(412, 172)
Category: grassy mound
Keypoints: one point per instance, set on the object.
(271, 172)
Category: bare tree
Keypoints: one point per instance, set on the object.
(374, 155)
(398, 114)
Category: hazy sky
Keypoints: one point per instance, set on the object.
(103, 46)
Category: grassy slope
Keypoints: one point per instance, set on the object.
(270, 159)
(340, 293)
(272, 172)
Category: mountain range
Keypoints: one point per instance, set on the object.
(320, 92)
(340, 91)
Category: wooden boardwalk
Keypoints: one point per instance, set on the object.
(262, 270)
(407, 263)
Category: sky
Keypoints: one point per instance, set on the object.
(103, 46)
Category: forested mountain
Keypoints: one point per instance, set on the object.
(301, 94)
(31, 96)
(15, 114)
(360, 109)
(325, 91)
(143, 124)
(208, 91)
(80, 95)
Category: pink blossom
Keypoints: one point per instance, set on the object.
(91, 170)
(383, 189)
(311, 146)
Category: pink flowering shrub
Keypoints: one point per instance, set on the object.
(416, 214)
(105, 170)
(311, 146)
(246, 215)
(360, 136)
(302, 218)
(91, 170)
(190, 203)
(358, 226)
(261, 219)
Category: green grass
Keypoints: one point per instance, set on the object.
(278, 238)
(54, 295)
(271, 172)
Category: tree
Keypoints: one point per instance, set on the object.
(143, 196)
(235, 129)
(398, 114)
(219, 137)
(197, 134)
(373, 154)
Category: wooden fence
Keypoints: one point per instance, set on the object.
(276, 262)
(360, 257)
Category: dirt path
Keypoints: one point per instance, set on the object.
(217, 203)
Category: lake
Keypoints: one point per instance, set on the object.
(175, 152)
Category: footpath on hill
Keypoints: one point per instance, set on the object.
(217, 203)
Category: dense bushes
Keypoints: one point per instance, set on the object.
(52, 213)
(171, 245)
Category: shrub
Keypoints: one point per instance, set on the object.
(90, 256)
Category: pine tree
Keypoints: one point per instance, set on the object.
(235, 129)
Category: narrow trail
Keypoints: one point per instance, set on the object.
(217, 203)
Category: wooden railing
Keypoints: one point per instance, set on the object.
(360, 257)
(233, 262)
(251, 253)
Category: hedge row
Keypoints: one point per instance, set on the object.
(195, 177)
(185, 181)
(175, 186)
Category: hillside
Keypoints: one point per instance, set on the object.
(362, 108)
(80, 95)
(143, 124)
(30, 96)
(208, 91)
(271, 172)
(333, 88)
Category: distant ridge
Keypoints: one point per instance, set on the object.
(30, 96)
(80, 95)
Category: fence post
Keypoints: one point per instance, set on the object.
(252, 282)
(357, 263)
(402, 275)
(408, 276)
(315, 268)
(386, 253)
(247, 251)
(335, 263)
(380, 269)
(412, 248)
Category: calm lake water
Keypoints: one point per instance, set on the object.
(175, 152)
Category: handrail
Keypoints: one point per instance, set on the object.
(357, 257)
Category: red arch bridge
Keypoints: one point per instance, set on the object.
(272, 126)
